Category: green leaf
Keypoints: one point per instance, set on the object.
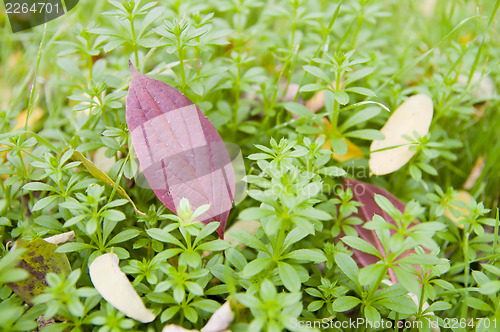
(248, 239)
(256, 266)
(362, 91)
(255, 213)
(345, 303)
(310, 255)
(317, 72)
(38, 186)
(315, 305)
(360, 117)
(339, 146)
(312, 87)
(216, 245)
(357, 75)
(438, 306)
(313, 213)
(420, 260)
(298, 109)
(206, 231)
(194, 288)
(371, 314)
(361, 245)
(163, 236)
(124, 236)
(407, 280)
(368, 134)
(113, 215)
(371, 273)
(401, 304)
(478, 304)
(341, 96)
(74, 246)
(44, 202)
(348, 266)
(332, 171)
(289, 277)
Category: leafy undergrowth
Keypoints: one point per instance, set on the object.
(368, 187)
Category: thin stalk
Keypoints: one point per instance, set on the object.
(377, 284)
(323, 42)
(237, 92)
(181, 66)
(479, 51)
(33, 87)
(134, 42)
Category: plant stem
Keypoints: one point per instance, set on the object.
(134, 42)
(32, 93)
(181, 67)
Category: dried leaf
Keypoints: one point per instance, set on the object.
(220, 319)
(176, 328)
(353, 151)
(61, 238)
(115, 288)
(180, 152)
(365, 194)
(414, 115)
(475, 173)
(100, 175)
(38, 259)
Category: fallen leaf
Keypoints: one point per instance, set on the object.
(35, 117)
(414, 115)
(353, 151)
(101, 176)
(220, 319)
(180, 152)
(114, 287)
(218, 322)
(365, 193)
(176, 328)
(61, 238)
(475, 173)
(483, 85)
(38, 259)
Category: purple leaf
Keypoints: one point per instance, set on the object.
(180, 152)
(365, 193)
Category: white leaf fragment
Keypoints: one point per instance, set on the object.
(176, 328)
(114, 286)
(62, 238)
(414, 115)
(220, 320)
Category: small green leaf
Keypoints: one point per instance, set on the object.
(341, 96)
(361, 245)
(371, 314)
(310, 255)
(345, 303)
(289, 277)
(298, 109)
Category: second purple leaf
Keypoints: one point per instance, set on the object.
(180, 152)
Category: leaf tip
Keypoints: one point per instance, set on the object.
(133, 70)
